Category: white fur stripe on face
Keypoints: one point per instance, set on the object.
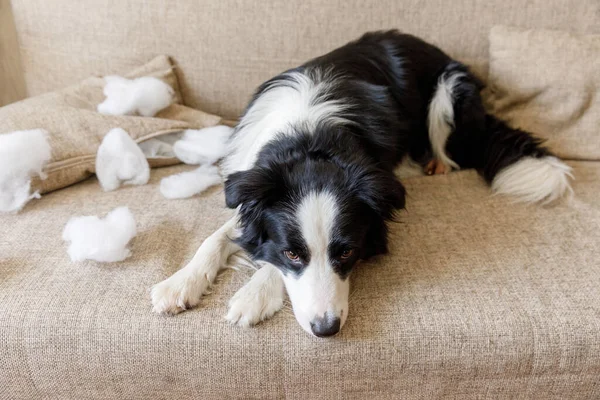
(319, 289)
(441, 115)
(534, 180)
(316, 216)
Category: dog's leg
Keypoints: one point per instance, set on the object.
(440, 122)
(257, 300)
(184, 288)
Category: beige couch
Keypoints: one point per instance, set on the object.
(479, 298)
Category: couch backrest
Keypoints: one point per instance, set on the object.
(225, 48)
(12, 84)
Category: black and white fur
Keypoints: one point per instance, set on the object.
(311, 173)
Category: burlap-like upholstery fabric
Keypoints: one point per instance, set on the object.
(479, 299)
(548, 82)
(226, 48)
(12, 81)
(76, 129)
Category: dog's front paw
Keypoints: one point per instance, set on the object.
(258, 300)
(248, 308)
(178, 293)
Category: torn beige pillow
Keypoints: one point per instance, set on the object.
(76, 129)
(548, 82)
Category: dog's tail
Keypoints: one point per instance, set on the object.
(516, 164)
(512, 161)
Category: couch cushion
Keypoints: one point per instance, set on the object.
(76, 129)
(548, 82)
(479, 298)
(226, 48)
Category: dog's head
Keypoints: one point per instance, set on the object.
(314, 219)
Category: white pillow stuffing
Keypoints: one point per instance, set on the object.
(103, 240)
(203, 146)
(187, 184)
(120, 160)
(145, 96)
(23, 154)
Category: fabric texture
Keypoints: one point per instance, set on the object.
(76, 129)
(478, 299)
(548, 82)
(12, 80)
(226, 48)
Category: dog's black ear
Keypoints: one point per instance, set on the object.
(381, 192)
(251, 186)
(252, 191)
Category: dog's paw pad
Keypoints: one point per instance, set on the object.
(437, 167)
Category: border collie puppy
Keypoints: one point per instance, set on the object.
(310, 173)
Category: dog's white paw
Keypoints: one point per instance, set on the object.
(258, 300)
(178, 293)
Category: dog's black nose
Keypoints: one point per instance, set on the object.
(325, 326)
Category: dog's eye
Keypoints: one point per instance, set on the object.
(291, 255)
(347, 254)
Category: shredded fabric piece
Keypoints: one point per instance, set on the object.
(120, 161)
(23, 154)
(203, 146)
(190, 183)
(145, 96)
(102, 240)
(157, 148)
